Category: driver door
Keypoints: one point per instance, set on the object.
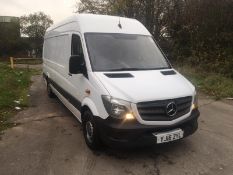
(78, 82)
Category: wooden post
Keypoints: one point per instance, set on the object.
(12, 62)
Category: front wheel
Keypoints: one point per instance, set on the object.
(90, 131)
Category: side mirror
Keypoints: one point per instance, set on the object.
(76, 64)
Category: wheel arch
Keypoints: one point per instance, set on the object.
(88, 104)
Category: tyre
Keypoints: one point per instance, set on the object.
(90, 131)
(49, 91)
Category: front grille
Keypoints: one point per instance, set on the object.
(156, 110)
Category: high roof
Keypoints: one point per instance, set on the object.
(100, 23)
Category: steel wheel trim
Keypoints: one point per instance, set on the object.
(89, 131)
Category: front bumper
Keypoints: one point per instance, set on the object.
(132, 133)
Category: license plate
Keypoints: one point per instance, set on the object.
(169, 136)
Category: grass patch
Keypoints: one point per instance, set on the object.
(14, 86)
(215, 85)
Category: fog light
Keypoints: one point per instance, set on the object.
(129, 116)
(195, 102)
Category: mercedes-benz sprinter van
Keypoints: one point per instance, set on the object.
(111, 74)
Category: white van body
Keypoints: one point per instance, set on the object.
(88, 90)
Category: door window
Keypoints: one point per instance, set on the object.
(76, 49)
(76, 46)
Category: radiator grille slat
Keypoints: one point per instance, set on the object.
(156, 110)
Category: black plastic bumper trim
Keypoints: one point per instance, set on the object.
(133, 133)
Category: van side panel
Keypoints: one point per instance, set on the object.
(70, 89)
(55, 57)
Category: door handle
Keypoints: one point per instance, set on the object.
(69, 74)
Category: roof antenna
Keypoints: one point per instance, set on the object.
(119, 24)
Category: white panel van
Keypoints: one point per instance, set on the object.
(111, 70)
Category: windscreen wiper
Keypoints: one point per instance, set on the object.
(124, 69)
(135, 69)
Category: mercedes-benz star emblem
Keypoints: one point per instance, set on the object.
(171, 109)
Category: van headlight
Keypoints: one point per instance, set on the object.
(195, 102)
(117, 108)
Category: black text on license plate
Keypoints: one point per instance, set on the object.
(169, 136)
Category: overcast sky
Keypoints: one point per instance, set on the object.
(56, 9)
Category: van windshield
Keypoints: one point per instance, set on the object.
(122, 52)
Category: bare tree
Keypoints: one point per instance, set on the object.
(199, 32)
(34, 26)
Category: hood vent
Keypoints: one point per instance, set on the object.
(119, 75)
(169, 72)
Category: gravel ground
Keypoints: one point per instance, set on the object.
(48, 140)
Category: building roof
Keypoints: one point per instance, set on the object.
(9, 19)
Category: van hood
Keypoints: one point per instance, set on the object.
(149, 85)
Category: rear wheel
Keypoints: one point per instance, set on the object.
(49, 90)
(90, 131)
